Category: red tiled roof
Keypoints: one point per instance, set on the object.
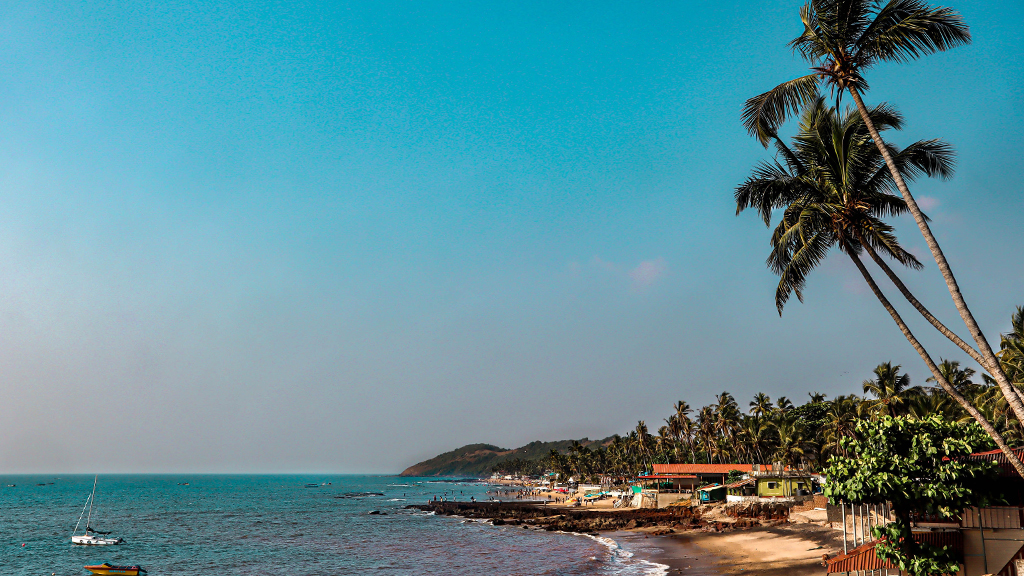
(701, 468)
(999, 457)
(665, 476)
(863, 557)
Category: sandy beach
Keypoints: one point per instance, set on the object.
(788, 549)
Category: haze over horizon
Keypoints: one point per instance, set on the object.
(346, 237)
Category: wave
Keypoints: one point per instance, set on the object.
(619, 553)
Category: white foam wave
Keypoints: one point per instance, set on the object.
(396, 499)
(650, 568)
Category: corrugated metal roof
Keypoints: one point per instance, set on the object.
(863, 557)
(743, 482)
(701, 468)
(710, 487)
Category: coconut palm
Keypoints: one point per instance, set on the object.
(761, 405)
(791, 441)
(843, 39)
(1011, 353)
(682, 414)
(833, 191)
(959, 378)
(840, 421)
(644, 444)
(923, 405)
(783, 405)
(889, 388)
(756, 436)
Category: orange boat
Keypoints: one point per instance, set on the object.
(108, 569)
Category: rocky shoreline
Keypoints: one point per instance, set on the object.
(707, 518)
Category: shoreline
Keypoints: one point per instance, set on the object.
(783, 550)
(683, 540)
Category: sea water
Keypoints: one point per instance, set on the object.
(212, 524)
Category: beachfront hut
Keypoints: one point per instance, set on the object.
(784, 486)
(778, 481)
(669, 482)
(712, 493)
(743, 490)
(705, 473)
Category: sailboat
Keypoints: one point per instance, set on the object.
(92, 537)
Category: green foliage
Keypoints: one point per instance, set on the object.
(927, 560)
(916, 465)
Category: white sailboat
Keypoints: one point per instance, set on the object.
(91, 537)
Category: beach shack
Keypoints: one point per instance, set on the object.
(668, 482)
(778, 481)
(743, 490)
(712, 493)
(705, 473)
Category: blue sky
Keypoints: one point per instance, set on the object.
(347, 236)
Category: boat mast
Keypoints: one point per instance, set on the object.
(79, 523)
(91, 498)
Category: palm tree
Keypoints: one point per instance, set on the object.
(706, 435)
(842, 39)
(644, 445)
(756, 437)
(833, 191)
(959, 378)
(841, 419)
(817, 397)
(784, 405)
(791, 441)
(761, 405)
(683, 411)
(889, 388)
(727, 415)
(1011, 348)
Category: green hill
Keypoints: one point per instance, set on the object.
(476, 460)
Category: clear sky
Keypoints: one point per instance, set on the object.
(346, 236)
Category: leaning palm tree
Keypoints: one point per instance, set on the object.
(833, 191)
(843, 39)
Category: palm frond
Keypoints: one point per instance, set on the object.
(769, 188)
(904, 30)
(763, 114)
(933, 158)
(882, 239)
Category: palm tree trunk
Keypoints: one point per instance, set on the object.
(924, 311)
(991, 362)
(985, 424)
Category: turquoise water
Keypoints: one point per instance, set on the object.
(275, 525)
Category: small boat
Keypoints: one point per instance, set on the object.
(312, 485)
(107, 568)
(93, 537)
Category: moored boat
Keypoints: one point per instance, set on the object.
(91, 536)
(108, 569)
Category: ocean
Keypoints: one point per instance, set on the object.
(274, 524)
